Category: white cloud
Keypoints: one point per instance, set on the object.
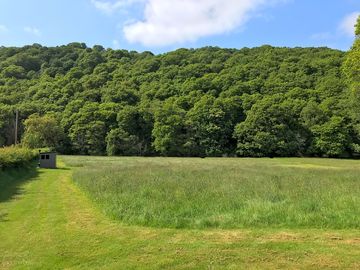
(110, 7)
(178, 21)
(347, 26)
(3, 29)
(32, 30)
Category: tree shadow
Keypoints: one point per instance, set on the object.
(63, 169)
(3, 217)
(12, 180)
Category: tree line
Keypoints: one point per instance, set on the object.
(257, 102)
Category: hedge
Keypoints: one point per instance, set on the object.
(16, 156)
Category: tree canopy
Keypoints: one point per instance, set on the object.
(263, 101)
(352, 71)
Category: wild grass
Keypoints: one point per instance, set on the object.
(48, 223)
(223, 193)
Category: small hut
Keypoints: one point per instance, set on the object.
(47, 160)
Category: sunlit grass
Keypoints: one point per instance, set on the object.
(46, 222)
(223, 193)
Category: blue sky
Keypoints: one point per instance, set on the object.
(164, 25)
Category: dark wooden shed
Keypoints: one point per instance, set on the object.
(47, 160)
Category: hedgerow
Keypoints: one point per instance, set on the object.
(15, 156)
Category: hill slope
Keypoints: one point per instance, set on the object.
(263, 101)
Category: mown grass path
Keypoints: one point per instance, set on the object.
(50, 224)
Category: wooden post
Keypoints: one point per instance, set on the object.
(16, 126)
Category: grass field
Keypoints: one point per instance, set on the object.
(48, 222)
(223, 193)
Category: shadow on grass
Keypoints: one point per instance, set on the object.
(3, 217)
(12, 180)
(63, 169)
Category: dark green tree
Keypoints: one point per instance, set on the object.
(352, 71)
(170, 130)
(270, 129)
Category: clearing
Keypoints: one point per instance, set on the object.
(47, 222)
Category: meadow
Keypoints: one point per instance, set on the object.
(225, 193)
(57, 219)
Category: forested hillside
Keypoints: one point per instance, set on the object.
(264, 101)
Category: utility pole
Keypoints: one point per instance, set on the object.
(16, 126)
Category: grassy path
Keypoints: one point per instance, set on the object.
(50, 224)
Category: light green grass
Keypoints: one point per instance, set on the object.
(223, 193)
(50, 224)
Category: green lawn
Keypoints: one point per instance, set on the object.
(223, 193)
(49, 223)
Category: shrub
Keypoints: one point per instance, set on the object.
(15, 156)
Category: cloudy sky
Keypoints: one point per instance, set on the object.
(163, 25)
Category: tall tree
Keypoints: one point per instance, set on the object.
(170, 130)
(352, 71)
(42, 131)
(270, 129)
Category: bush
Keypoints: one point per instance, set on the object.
(15, 156)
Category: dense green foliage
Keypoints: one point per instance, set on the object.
(42, 132)
(352, 70)
(225, 193)
(264, 101)
(15, 156)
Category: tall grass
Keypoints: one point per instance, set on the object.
(223, 193)
(15, 156)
